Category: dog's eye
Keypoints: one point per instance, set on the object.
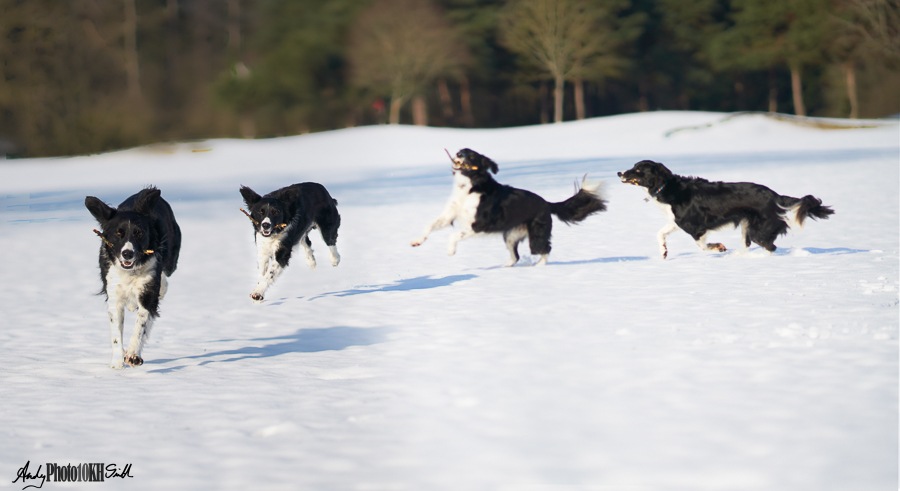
(138, 233)
(637, 171)
(120, 233)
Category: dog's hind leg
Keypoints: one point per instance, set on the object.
(333, 253)
(539, 230)
(512, 238)
(715, 246)
(163, 286)
(307, 248)
(745, 236)
(329, 230)
(661, 237)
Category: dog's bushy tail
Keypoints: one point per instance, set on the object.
(796, 211)
(588, 199)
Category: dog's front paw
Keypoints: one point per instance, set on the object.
(117, 364)
(133, 359)
(311, 262)
(717, 246)
(417, 242)
(257, 297)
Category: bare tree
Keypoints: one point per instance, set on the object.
(399, 47)
(566, 39)
(862, 27)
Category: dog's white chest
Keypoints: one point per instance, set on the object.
(266, 247)
(464, 201)
(667, 209)
(461, 187)
(126, 286)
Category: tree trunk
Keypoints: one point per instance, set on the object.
(558, 87)
(773, 92)
(850, 72)
(170, 65)
(132, 68)
(465, 100)
(643, 103)
(420, 111)
(234, 29)
(542, 95)
(397, 102)
(446, 101)
(797, 89)
(579, 99)
(248, 125)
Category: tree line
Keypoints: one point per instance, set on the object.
(85, 76)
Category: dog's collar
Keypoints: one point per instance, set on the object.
(654, 194)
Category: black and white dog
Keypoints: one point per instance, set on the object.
(284, 218)
(479, 204)
(698, 207)
(141, 242)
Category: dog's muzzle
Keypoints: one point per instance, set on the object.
(461, 164)
(127, 259)
(626, 180)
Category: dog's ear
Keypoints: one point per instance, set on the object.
(146, 201)
(664, 171)
(490, 164)
(250, 196)
(100, 210)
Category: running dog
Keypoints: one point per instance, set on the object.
(284, 218)
(140, 247)
(479, 205)
(698, 207)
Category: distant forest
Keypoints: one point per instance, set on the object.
(87, 76)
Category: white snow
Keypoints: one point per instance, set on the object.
(405, 369)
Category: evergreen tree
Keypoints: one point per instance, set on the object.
(770, 33)
(295, 83)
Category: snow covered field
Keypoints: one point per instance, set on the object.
(405, 369)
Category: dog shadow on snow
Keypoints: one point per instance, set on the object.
(403, 285)
(302, 341)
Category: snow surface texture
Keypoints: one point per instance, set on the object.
(405, 369)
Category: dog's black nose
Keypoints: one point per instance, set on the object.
(128, 254)
(266, 225)
(619, 174)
